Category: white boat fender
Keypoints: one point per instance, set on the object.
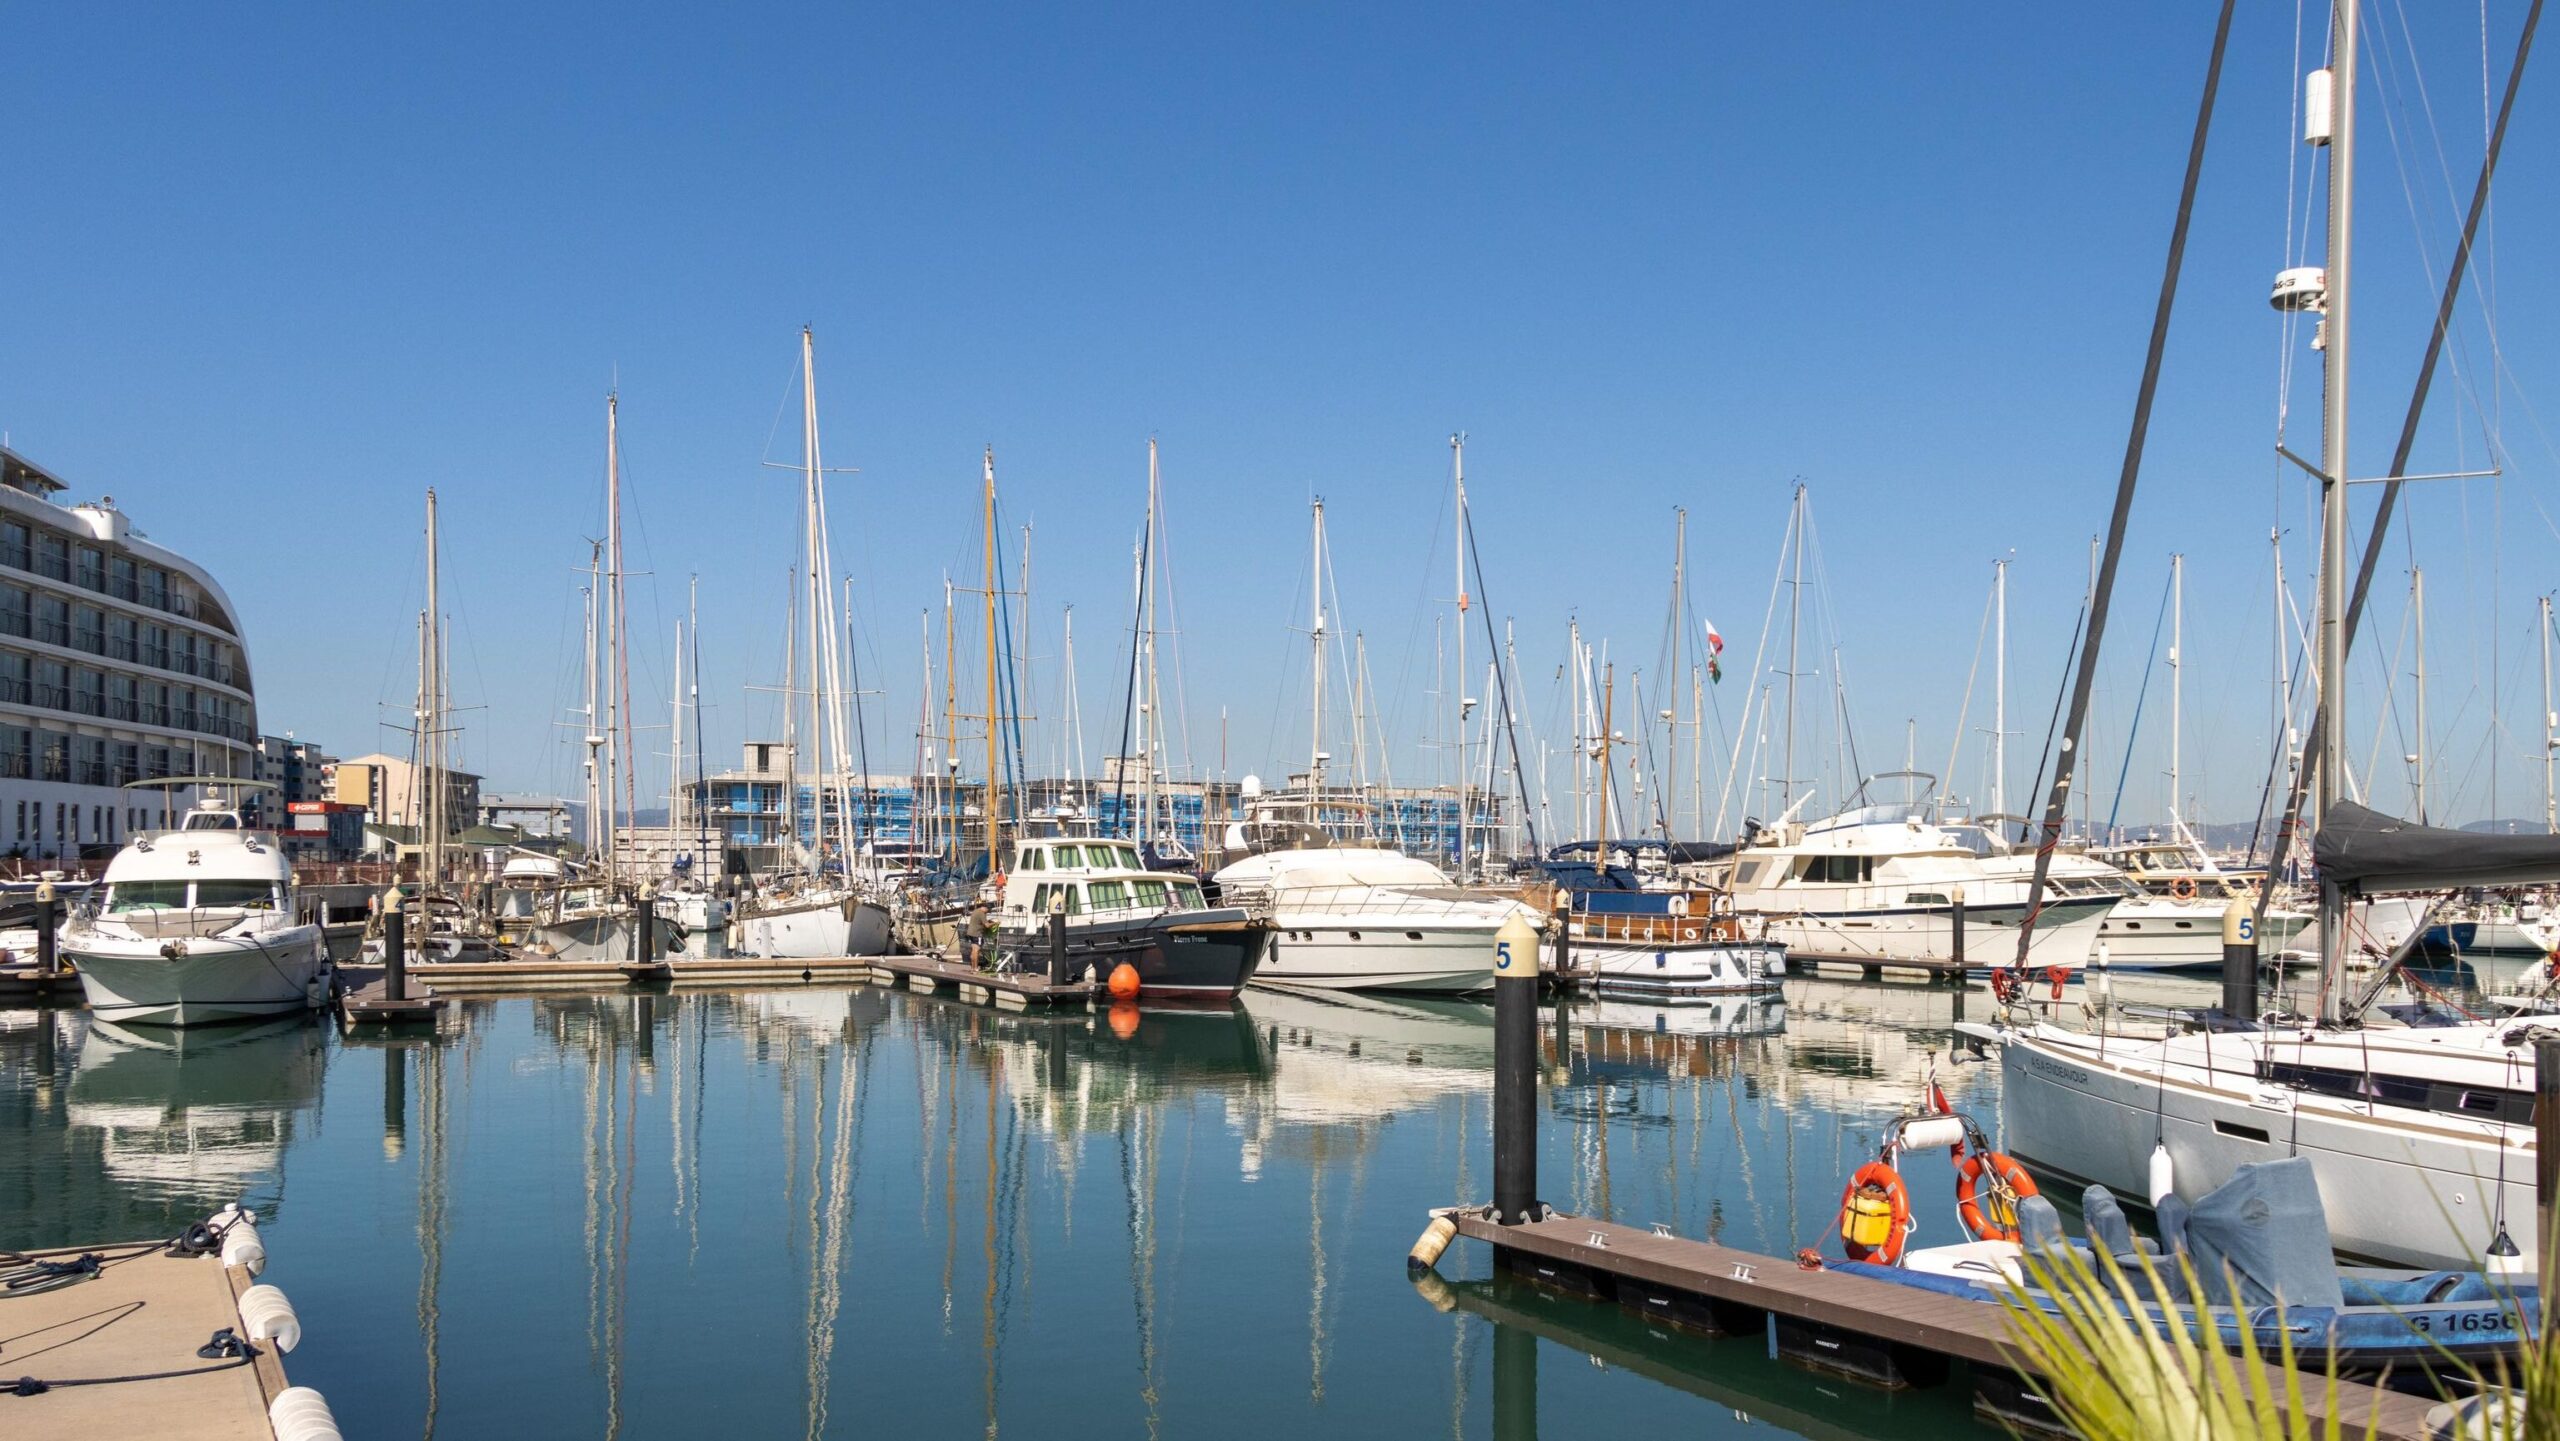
(302, 1414)
(1930, 1132)
(2164, 1174)
(241, 1246)
(1435, 1239)
(269, 1317)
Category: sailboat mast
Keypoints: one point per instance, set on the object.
(619, 758)
(675, 743)
(2418, 753)
(2177, 687)
(1458, 476)
(814, 579)
(995, 798)
(2000, 694)
(1679, 623)
(594, 734)
(790, 837)
(1315, 728)
(2550, 811)
(1795, 616)
(2345, 15)
(433, 722)
(1148, 695)
(1608, 734)
(693, 697)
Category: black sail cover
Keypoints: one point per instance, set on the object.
(2368, 852)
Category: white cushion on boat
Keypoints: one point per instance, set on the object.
(1984, 1263)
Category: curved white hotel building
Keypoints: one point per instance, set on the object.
(120, 660)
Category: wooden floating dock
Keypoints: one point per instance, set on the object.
(1869, 1330)
(21, 983)
(457, 977)
(138, 1317)
(368, 1002)
(934, 971)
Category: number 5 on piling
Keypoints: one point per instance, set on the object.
(1501, 956)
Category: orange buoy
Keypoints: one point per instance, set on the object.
(1124, 982)
(1124, 1020)
(1875, 1214)
(1993, 1217)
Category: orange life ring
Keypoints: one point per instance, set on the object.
(1860, 1213)
(2010, 1184)
(2182, 889)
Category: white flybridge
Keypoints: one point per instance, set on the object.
(198, 924)
(2421, 1135)
(825, 910)
(1879, 883)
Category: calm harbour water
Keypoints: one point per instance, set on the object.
(861, 1211)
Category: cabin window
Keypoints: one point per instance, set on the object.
(146, 896)
(1187, 897)
(1149, 893)
(236, 895)
(1839, 869)
(1747, 874)
(1110, 895)
(1924, 898)
(1035, 858)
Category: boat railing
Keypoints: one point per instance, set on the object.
(1358, 899)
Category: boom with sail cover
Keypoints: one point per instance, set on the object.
(2367, 852)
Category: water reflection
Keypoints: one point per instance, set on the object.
(827, 1212)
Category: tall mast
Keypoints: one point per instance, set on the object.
(1608, 735)
(2177, 688)
(1315, 729)
(1581, 738)
(433, 722)
(2000, 694)
(693, 697)
(675, 744)
(594, 733)
(1149, 564)
(1679, 623)
(2418, 754)
(618, 702)
(995, 796)
(1795, 616)
(2333, 483)
(2550, 811)
(814, 579)
(1458, 476)
(790, 837)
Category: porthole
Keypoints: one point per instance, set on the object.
(1355, 935)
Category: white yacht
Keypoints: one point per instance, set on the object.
(198, 924)
(1879, 883)
(1667, 946)
(2175, 922)
(1362, 918)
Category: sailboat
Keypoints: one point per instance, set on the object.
(2420, 1135)
(822, 910)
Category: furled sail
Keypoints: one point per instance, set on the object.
(2369, 852)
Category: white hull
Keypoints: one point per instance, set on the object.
(2415, 1189)
(1377, 953)
(819, 930)
(703, 922)
(282, 972)
(2066, 936)
(1731, 967)
(2166, 934)
(603, 936)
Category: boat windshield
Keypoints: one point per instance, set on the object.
(212, 821)
(146, 896)
(236, 895)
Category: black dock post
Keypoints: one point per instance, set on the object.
(2239, 960)
(1515, 1383)
(2546, 1151)
(48, 915)
(395, 947)
(1057, 944)
(1515, 1072)
(645, 922)
(1958, 947)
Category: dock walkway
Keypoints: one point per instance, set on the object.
(933, 971)
(1872, 1330)
(145, 1312)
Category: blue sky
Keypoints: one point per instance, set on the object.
(270, 274)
